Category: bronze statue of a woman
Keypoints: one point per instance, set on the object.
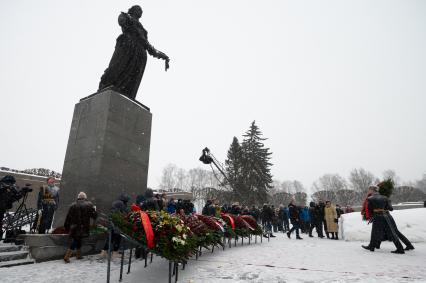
(127, 65)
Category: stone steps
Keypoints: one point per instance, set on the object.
(16, 262)
(9, 248)
(14, 255)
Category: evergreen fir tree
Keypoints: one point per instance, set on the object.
(233, 165)
(256, 172)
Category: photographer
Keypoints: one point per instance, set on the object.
(8, 195)
(48, 199)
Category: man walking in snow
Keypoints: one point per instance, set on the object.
(378, 206)
(77, 223)
(294, 219)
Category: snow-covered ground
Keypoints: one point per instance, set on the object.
(280, 260)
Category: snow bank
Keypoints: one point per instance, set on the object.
(411, 223)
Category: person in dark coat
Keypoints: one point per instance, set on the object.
(188, 207)
(316, 221)
(208, 209)
(140, 199)
(151, 202)
(77, 222)
(294, 219)
(267, 217)
(321, 208)
(121, 205)
(236, 209)
(254, 211)
(408, 245)
(378, 205)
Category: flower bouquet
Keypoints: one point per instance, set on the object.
(230, 225)
(255, 228)
(204, 235)
(172, 239)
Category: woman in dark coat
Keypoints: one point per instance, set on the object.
(127, 65)
(77, 223)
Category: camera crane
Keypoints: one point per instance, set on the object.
(208, 158)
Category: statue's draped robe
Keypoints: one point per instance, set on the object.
(127, 65)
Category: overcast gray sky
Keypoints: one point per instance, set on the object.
(333, 85)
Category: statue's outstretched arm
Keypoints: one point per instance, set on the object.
(158, 54)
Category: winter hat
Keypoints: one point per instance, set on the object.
(82, 195)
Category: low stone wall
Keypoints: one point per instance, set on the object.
(51, 247)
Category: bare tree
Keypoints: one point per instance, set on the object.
(168, 178)
(276, 187)
(421, 184)
(281, 197)
(288, 187)
(360, 179)
(327, 186)
(301, 198)
(298, 187)
(181, 179)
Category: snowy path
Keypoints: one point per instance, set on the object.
(280, 260)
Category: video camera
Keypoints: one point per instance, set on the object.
(9, 191)
(26, 189)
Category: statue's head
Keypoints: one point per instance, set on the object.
(135, 11)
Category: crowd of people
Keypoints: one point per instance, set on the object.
(321, 216)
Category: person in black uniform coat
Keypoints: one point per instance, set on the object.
(379, 206)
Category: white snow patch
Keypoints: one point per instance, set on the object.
(411, 223)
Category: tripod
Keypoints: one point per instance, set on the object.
(22, 217)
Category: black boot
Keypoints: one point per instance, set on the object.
(368, 248)
(328, 235)
(298, 237)
(332, 236)
(337, 236)
(409, 248)
(398, 252)
(310, 235)
(272, 236)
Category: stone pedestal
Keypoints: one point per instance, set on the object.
(107, 153)
(53, 246)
